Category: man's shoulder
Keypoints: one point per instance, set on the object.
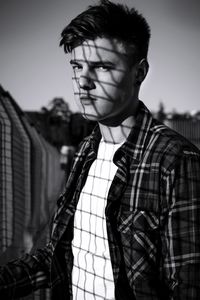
(167, 146)
(170, 137)
(160, 138)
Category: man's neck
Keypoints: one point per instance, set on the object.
(117, 134)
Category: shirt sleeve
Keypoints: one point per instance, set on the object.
(181, 234)
(22, 276)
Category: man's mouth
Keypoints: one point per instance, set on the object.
(87, 100)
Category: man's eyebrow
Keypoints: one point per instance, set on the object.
(73, 61)
(102, 62)
(93, 63)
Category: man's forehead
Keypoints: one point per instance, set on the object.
(99, 48)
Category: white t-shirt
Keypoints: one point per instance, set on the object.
(92, 276)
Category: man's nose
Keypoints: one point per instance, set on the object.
(86, 82)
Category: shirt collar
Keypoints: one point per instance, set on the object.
(136, 142)
(138, 138)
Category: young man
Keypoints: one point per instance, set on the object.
(127, 225)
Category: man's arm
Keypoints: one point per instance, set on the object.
(181, 235)
(22, 276)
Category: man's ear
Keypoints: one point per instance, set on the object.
(142, 70)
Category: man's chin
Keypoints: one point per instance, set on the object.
(90, 117)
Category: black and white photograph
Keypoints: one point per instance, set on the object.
(99, 150)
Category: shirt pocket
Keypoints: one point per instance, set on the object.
(139, 238)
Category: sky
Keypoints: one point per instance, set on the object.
(34, 69)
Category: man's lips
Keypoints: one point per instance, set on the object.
(87, 100)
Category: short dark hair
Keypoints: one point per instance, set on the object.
(108, 19)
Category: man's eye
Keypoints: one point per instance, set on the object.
(77, 67)
(103, 68)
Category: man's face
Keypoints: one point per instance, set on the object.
(104, 80)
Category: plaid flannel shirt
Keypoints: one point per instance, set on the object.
(152, 215)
